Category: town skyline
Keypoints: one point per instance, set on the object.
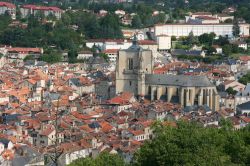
(124, 82)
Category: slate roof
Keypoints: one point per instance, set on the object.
(245, 92)
(178, 80)
(94, 125)
(76, 82)
(5, 142)
(244, 106)
(186, 52)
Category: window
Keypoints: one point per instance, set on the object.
(130, 64)
(130, 83)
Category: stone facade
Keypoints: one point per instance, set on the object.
(134, 73)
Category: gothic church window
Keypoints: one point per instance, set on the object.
(130, 64)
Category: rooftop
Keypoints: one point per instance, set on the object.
(178, 80)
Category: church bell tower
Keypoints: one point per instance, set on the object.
(132, 65)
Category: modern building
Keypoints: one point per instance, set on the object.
(27, 10)
(8, 8)
(179, 30)
(134, 73)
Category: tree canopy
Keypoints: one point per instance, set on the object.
(103, 159)
(245, 79)
(191, 144)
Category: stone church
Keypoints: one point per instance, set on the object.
(134, 73)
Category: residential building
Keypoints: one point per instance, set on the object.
(240, 44)
(244, 109)
(233, 84)
(84, 55)
(27, 10)
(223, 17)
(8, 8)
(112, 54)
(243, 95)
(17, 54)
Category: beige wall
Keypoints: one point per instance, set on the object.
(128, 80)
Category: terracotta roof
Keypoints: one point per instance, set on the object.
(7, 4)
(47, 131)
(202, 13)
(111, 51)
(245, 58)
(24, 50)
(206, 18)
(245, 119)
(137, 132)
(34, 7)
(147, 42)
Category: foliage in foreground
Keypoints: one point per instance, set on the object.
(187, 144)
(104, 159)
(191, 144)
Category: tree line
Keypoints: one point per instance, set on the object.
(186, 144)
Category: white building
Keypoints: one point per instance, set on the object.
(223, 17)
(243, 96)
(112, 54)
(240, 44)
(84, 55)
(140, 35)
(163, 42)
(120, 12)
(105, 44)
(6, 7)
(27, 10)
(179, 30)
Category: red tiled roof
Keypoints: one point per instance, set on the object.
(34, 7)
(202, 13)
(47, 131)
(206, 18)
(245, 58)
(7, 4)
(111, 51)
(245, 119)
(137, 132)
(122, 99)
(24, 50)
(147, 42)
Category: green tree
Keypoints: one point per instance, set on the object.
(211, 50)
(236, 28)
(52, 57)
(227, 49)
(191, 39)
(103, 159)
(136, 22)
(110, 27)
(192, 144)
(231, 91)
(245, 79)
(66, 19)
(229, 20)
(207, 39)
